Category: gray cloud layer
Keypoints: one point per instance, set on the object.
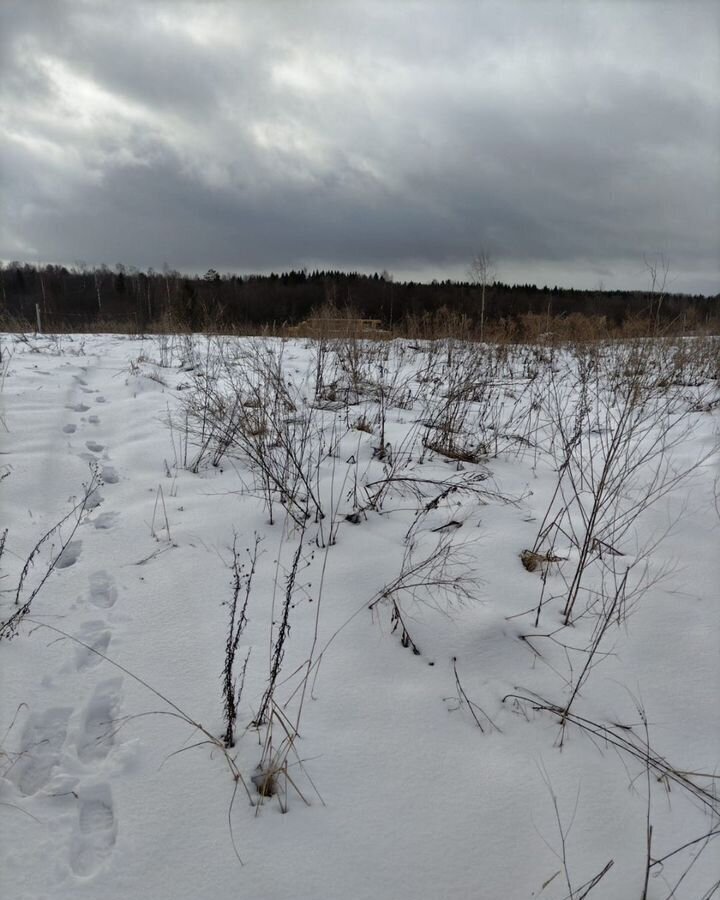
(568, 139)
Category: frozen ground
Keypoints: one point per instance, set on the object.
(398, 774)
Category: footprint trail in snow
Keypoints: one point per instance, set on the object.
(95, 832)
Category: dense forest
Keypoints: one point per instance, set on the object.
(124, 298)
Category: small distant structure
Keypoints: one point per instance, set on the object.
(340, 327)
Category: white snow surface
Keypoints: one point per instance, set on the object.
(394, 790)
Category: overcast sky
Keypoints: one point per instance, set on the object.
(570, 140)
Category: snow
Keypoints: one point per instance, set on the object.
(395, 791)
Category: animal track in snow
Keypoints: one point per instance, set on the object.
(69, 429)
(100, 400)
(109, 475)
(96, 830)
(69, 556)
(97, 637)
(94, 446)
(95, 498)
(103, 592)
(98, 727)
(104, 522)
(78, 407)
(94, 420)
(42, 741)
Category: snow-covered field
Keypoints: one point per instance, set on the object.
(403, 675)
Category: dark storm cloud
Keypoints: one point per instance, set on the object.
(568, 139)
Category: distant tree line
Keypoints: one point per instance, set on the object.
(82, 297)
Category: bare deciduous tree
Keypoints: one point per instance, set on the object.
(658, 268)
(482, 274)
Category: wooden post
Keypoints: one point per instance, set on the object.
(38, 323)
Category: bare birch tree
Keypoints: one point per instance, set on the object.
(482, 274)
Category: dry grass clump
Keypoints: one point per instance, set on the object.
(363, 424)
(533, 561)
(445, 443)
